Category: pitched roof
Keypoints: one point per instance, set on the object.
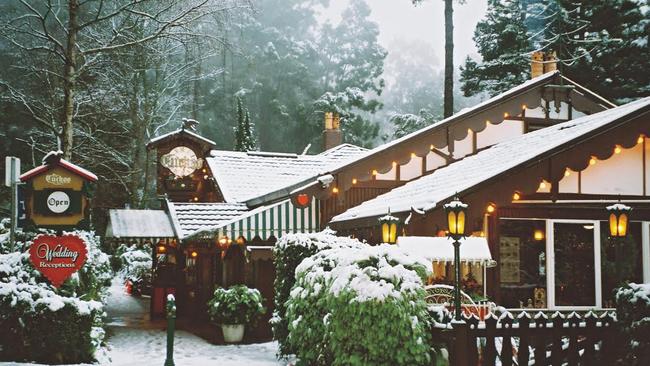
(187, 218)
(243, 176)
(457, 125)
(51, 161)
(178, 133)
(127, 223)
(426, 192)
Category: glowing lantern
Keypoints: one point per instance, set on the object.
(456, 212)
(389, 228)
(618, 219)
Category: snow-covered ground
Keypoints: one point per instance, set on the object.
(134, 340)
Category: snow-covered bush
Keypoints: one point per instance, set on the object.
(44, 324)
(360, 306)
(288, 252)
(236, 305)
(633, 318)
(38, 323)
(136, 265)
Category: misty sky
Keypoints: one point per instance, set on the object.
(401, 20)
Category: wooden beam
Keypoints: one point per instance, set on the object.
(448, 158)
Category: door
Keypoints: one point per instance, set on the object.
(573, 249)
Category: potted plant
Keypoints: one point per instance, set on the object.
(233, 309)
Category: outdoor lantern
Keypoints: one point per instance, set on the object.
(456, 212)
(618, 219)
(389, 225)
(161, 249)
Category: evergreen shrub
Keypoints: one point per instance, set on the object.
(48, 325)
(235, 305)
(288, 252)
(360, 306)
(633, 318)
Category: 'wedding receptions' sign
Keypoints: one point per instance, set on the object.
(58, 257)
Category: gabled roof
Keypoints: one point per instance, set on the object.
(181, 132)
(456, 127)
(127, 223)
(427, 192)
(187, 218)
(52, 160)
(242, 176)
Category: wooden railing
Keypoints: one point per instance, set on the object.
(531, 340)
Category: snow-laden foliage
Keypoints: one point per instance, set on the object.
(288, 252)
(136, 264)
(633, 316)
(236, 305)
(360, 306)
(44, 324)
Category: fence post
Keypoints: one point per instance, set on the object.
(171, 323)
(460, 356)
(523, 356)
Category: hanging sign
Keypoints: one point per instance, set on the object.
(182, 161)
(58, 257)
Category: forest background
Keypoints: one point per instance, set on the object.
(100, 78)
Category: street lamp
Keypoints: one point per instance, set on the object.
(389, 225)
(456, 213)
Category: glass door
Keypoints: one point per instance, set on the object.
(574, 266)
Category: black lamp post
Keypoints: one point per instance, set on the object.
(456, 212)
(389, 226)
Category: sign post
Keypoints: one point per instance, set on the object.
(12, 177)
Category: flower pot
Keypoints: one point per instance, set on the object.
(232, 333)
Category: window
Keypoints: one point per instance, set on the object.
(522, 263)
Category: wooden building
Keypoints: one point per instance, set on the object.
(537, 164)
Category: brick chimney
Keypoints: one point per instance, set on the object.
(332, 135)
(542, 62)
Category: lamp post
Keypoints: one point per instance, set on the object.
(456, 212)
(618, 220)
(389, 228)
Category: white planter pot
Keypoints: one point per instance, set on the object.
(233, 333)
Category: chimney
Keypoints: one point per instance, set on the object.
(537, 64)
(332, 135)
(541, 63)
(550, 62)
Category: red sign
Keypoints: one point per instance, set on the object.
(303, 200)
(58, 257)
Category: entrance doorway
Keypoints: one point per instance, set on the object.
(574, 264)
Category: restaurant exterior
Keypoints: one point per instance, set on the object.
(537, 165)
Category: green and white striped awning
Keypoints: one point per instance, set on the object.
(273, 220)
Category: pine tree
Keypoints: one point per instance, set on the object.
(502, 41)
(249, 138)
(240, 130)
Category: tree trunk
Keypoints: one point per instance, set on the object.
(69, 80)
(449, 59)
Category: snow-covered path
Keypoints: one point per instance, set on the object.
(134, 340)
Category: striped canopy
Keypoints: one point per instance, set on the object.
(273, 220)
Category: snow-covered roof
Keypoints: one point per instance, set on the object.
(188, 218)
(426, 192)
(181, 131)
(126, 223)
(53, 159)
(441, 249)
(242, 176)
(506, 97)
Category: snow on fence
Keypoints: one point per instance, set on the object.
(525, 340)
